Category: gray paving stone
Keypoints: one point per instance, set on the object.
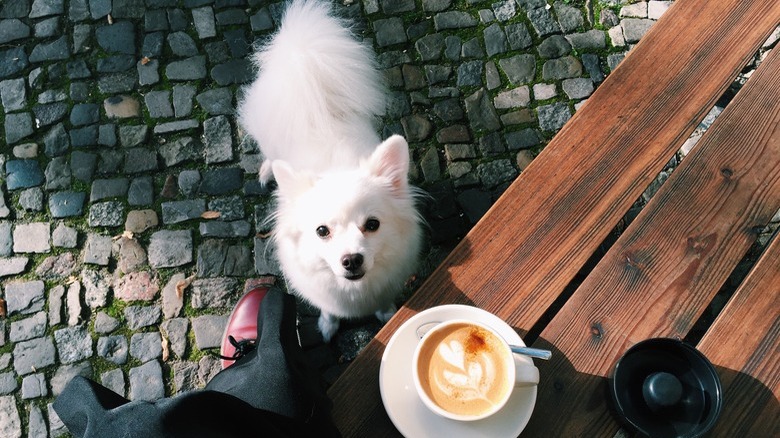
(430, 47)
(130, 255)
(55, 300)
(119, 37)
(131, 136)
(146, 346)
(172, 302)
(33, 355)
(4, 210)
(216, 101)
(115, 63)
(123, 82)
(217, 140)
(32, 237)
(208, 329)
(13, 93)
(12, 266)
(495, 40)
(56, 141)
(523, 139)
(113, 349)
(108, 188)
(73, 305)
(106, 214)
(168, 248)
(561, 68)
(140, 191)
(13, 29)
(146, 382)
(97, 249)
(84, 137)
(12, 61)
(635, 28)
(17, 127)
(221, 181)
(552, 117)
(36, 423)
(470, 74)
(234, 71)
(54, 51)
(179, 211)
(158, 103)
(7, 383)
(140, 160)
(96, 284)
(66, 204)
(12, 424)
(73, 344)
(472, 49)
(28, 328)
(239, 228)
(58, 174)
(189, 69)
(31, 199)
(105, 323)
(34, 386)
(203, 20)
(214, 292)
(520, 69)
(480, 111)
(453, 20)
(577, 88)
(515, 98)
(175, 126)
(142, 316)
(56, 267)
(6, 239)
(590, 40)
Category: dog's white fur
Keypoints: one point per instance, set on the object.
(312, 110)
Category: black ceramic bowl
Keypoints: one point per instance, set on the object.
(666, 388)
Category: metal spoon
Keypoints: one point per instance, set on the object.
(537, 353)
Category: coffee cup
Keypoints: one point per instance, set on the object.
(464, 370)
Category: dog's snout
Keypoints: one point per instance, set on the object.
(352, 262)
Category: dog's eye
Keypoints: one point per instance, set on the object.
(371, 225)
(323, 231)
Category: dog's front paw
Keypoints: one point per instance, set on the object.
(328, 325)
(384, 315)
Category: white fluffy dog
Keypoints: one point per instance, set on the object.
(346, 230)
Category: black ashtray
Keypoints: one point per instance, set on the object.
(666, 388)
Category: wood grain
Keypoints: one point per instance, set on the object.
(744, 345)
(664, 270)
(536, 237)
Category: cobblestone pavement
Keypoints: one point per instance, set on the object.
(124, 174)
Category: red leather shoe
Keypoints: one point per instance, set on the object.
(241, 329)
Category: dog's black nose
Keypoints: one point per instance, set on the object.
(352, 262)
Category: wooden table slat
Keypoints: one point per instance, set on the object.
(744, 345)
(664, 270)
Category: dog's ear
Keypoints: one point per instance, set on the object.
(289, 181)
(391, 160)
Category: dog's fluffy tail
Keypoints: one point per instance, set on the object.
(314, 79)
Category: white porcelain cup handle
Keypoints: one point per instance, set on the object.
(526, 374)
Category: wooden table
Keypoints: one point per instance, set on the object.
(662, 273)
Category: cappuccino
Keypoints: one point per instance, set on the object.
(465, 369)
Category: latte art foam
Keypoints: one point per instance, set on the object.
(464, 370)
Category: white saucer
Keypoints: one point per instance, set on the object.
(407, 411)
